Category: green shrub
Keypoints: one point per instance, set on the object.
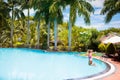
(102, 47)
(110, 49)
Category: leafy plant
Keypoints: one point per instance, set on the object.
(110, 49)
(102, 47)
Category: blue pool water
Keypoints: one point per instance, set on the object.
(29, 64)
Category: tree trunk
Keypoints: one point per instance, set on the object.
(28, 33)
(38, 34)
(12, 28)
(55, 34)
(48, 39)
(69, 35)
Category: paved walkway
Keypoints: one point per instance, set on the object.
(116, 75)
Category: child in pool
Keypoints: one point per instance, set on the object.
(90, 52)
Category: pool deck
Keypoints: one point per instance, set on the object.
(116, 75)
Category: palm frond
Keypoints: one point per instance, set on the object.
(111, 7)
(37, 15)
(108, 5)
(84, 12)
(87, 5)
(53, 8)
(73, 12)
(109, 15)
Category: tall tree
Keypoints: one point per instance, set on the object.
(111, 8)
(42, 8)
(83, 9)
(57, 16)
(27, 4)
(37, 18)
(47, 17)
(16, 13)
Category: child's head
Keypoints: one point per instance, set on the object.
(90, 51)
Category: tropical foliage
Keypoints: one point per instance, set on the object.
(110, 49)
(102, 47)
(46, 28)
(111, 8)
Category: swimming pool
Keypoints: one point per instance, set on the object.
(31, 64)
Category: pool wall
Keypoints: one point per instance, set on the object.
(99, 76)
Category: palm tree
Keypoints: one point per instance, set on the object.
(37, 17)
(47, 17)
(111, 8)
(57, 16)
(28, 25)
(48, 35)
(40, 7)
(27, 4)
(16, 13)
(83, 8)
(44, 11)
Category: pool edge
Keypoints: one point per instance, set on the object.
(111, 70)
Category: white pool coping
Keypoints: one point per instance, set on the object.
(99, 77)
